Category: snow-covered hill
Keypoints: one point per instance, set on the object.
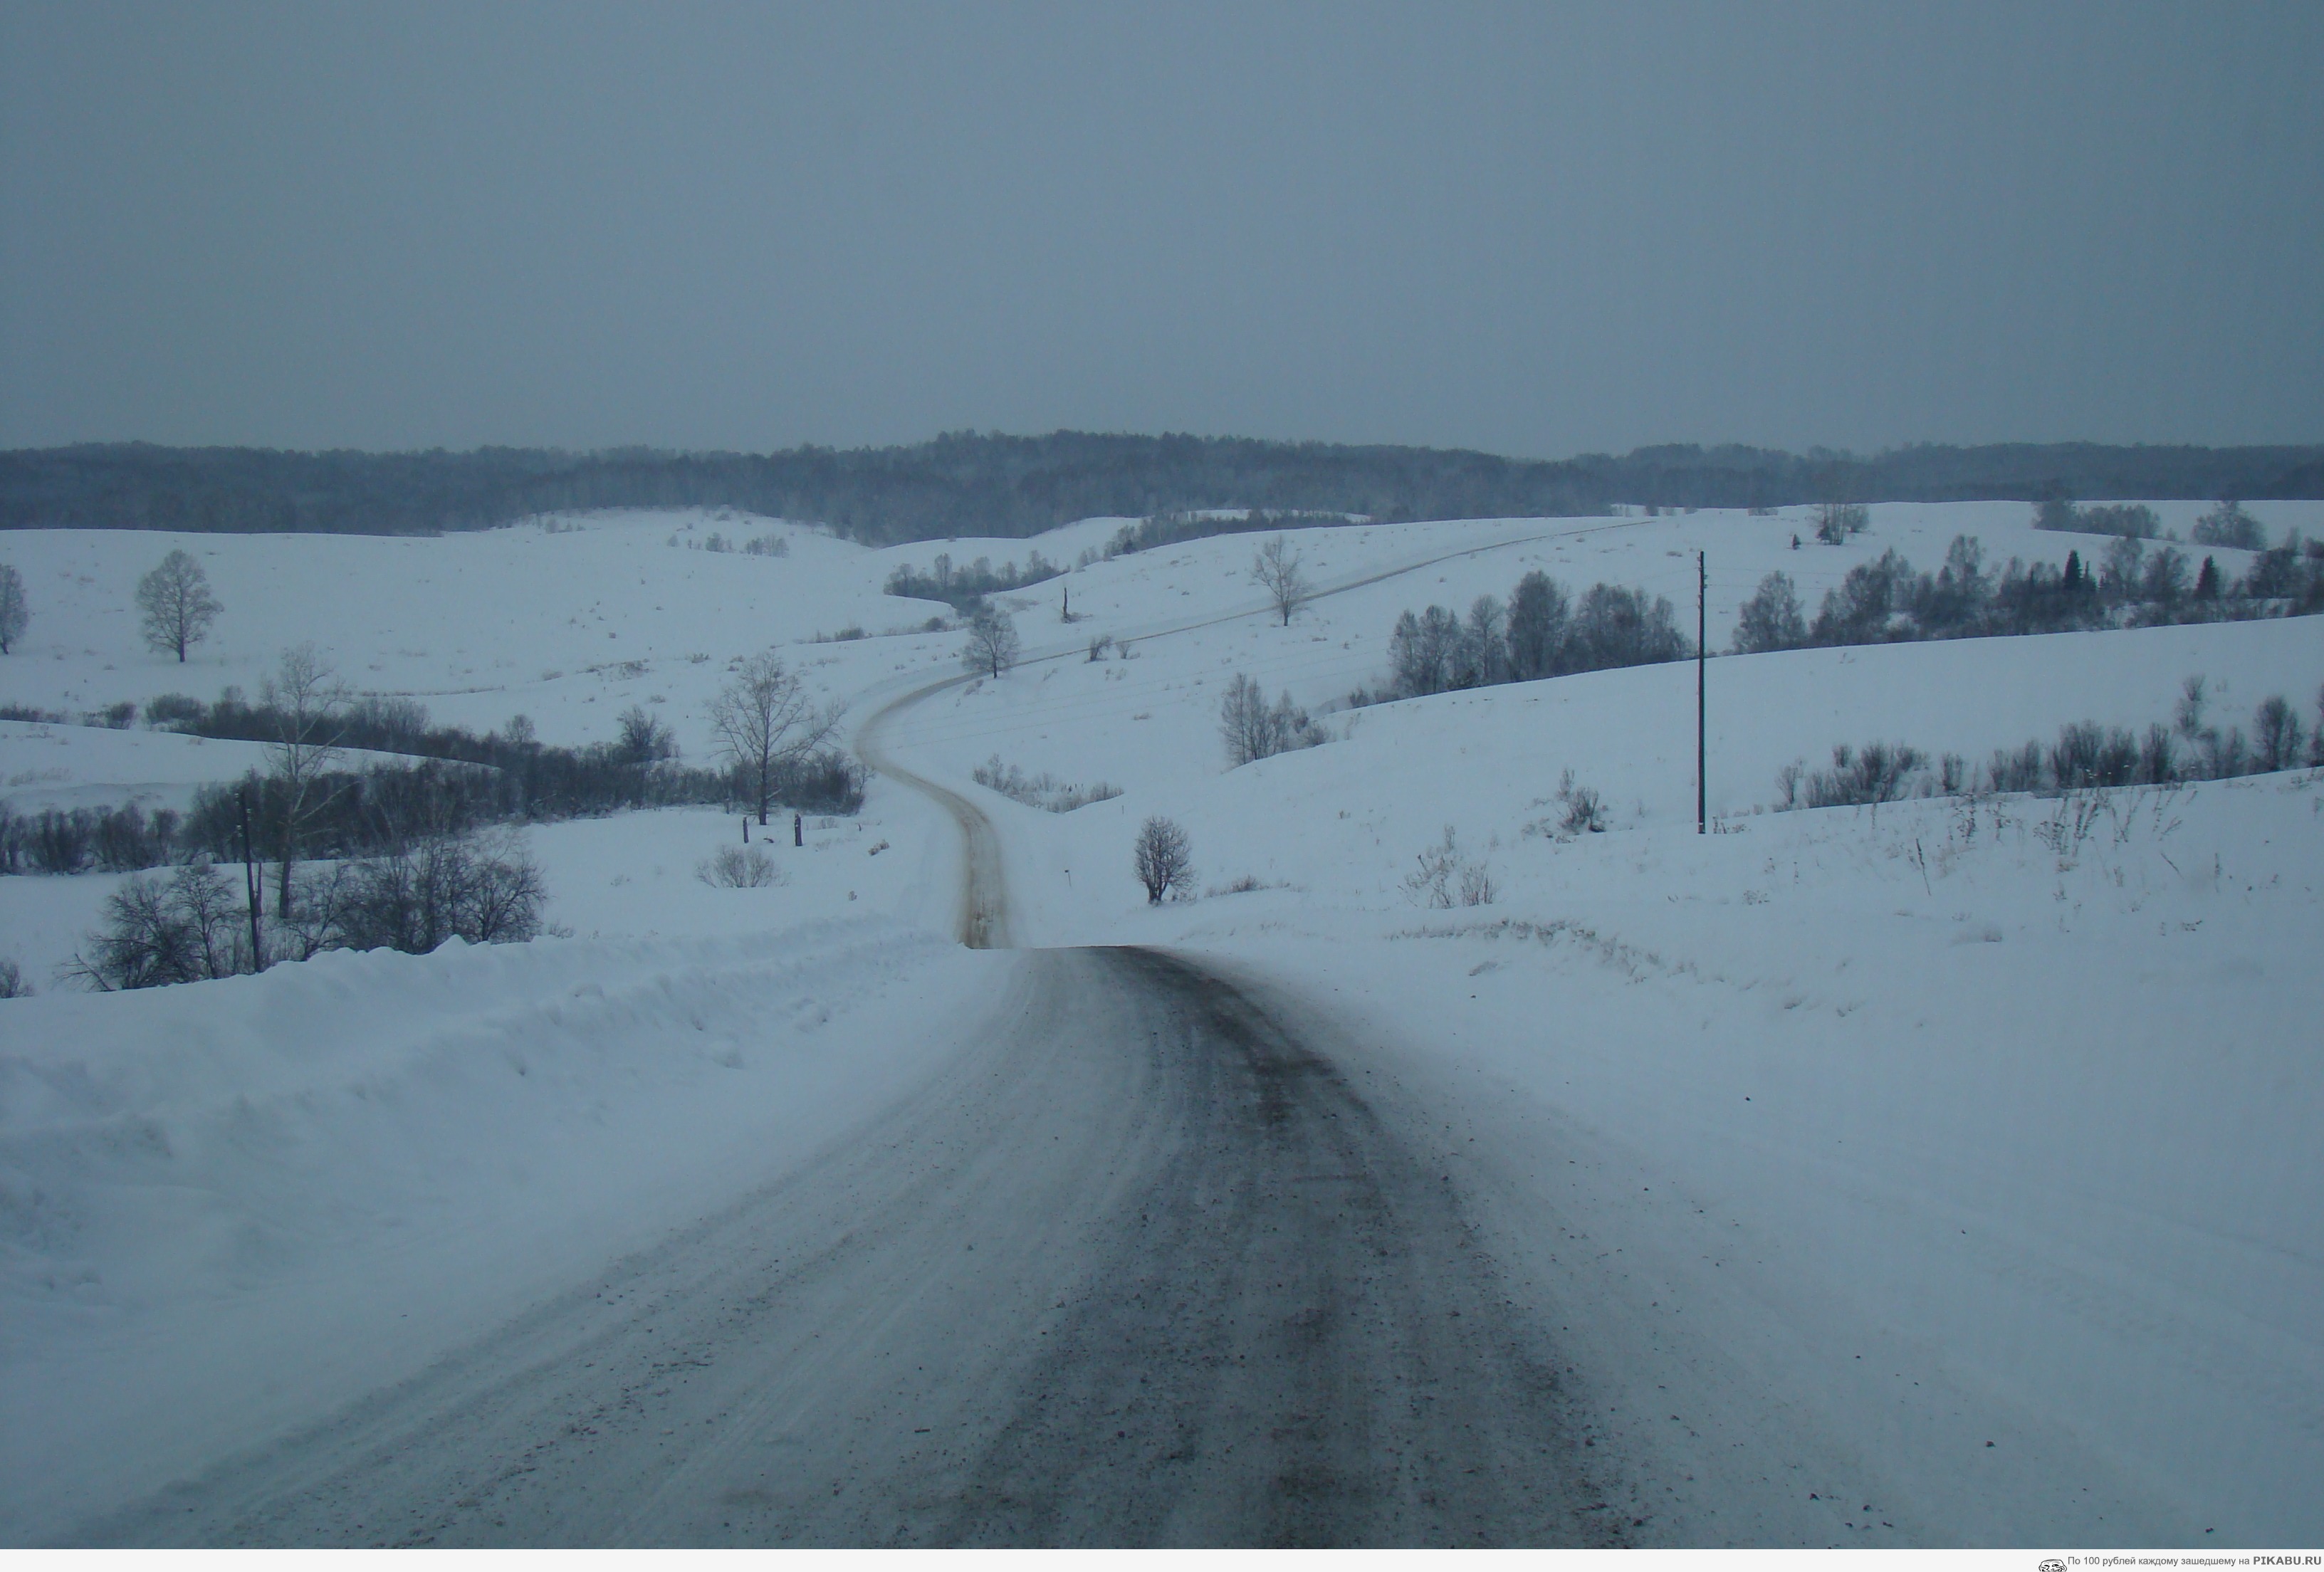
(1857, 1140)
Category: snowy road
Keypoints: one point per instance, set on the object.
(1141, 1268)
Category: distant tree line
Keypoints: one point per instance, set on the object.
(1885, 600)
(967, 484)
(1172, 528)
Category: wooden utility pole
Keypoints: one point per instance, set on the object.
(1702, 659)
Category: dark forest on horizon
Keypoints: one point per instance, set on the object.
(969, 483)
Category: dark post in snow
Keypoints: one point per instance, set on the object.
(253, 887)
(798, 831)
(1701, 656)
(746, 827)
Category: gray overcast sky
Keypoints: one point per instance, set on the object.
(1536, 229)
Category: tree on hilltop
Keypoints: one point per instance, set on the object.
(176, 604)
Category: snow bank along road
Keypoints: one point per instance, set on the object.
(1141, 1268)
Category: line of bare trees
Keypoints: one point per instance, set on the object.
(1540, 632)
(2084, 756)
(1885, 600)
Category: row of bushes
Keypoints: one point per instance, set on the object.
(460, 782)
(1040, 791)
(194, 924)
(963, 588)
(1171, 529)
(78, 840)
(1541, 632)
(2085, 756)
(2225, 525)
(530, 779)
(117, 717)
(1885, 600)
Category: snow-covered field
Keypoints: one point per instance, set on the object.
(1856, 1141)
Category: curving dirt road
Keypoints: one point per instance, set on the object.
(983, 922)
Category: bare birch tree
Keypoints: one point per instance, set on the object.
(305, 703)
(1276, 570)
(766, 721)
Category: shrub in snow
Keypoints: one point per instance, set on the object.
(1585, 812)
(1445, 878)
(1162, 861)
(739, 868)
(13, 984)
(2088, 755)
(186, 928)
(1879, 772)
(1040, 791)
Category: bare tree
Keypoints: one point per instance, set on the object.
(175, 604)
(1538, 611)
(186, 928)
(1771, 620)
(1252, 731)
(1276, 570)
(14, 614)
(992, 642)
(1244, 723)
(1837, 521)
(482, 888)
(766, 723)
(645, 740)
(306, 703)
(1162, 859)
